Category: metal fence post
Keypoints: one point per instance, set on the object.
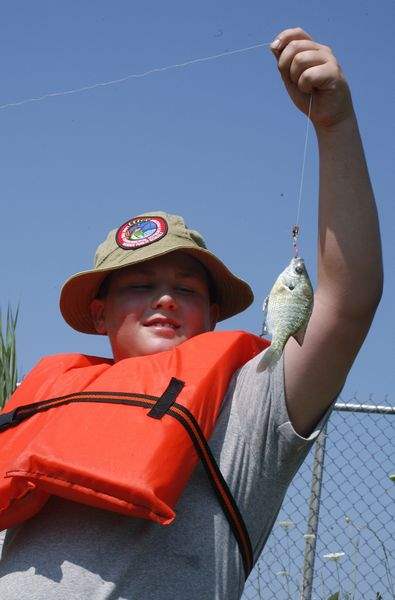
(313, 516)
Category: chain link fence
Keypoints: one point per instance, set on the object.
(334, 537)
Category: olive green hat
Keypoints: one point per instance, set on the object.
(142, 238)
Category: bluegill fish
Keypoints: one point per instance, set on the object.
(287, 310)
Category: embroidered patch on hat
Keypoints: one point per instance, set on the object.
(140, 231)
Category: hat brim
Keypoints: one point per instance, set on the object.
(233, 295)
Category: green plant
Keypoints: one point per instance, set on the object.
(287, 525)
(8, 366)
(335, 557)
(359, 530)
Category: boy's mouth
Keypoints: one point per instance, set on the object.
(162, 323)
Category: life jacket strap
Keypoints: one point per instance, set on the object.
(167, 399)
(218, 483)
(7, 419)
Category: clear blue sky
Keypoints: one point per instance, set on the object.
(218, 142)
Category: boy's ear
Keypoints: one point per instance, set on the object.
(214, 314)
(98, 316)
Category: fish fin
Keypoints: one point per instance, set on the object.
(264, 306)
(265, 329)
(299, 335)
(269, 359)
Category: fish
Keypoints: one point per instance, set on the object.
(287, 310)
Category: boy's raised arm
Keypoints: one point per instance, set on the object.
(350, 275)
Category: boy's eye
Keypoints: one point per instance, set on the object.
(139, 286)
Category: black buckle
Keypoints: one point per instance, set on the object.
(167, 399)
(7, 419)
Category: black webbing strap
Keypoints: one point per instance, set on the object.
(166, 405)
(167, 399)
(159, 406)
(220, 487)
(7, 419)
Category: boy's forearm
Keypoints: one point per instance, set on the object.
(350, 272)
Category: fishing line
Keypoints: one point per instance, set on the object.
(133, 76)
(296, 227)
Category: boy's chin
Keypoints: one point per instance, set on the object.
(163, 344)
(152, 347)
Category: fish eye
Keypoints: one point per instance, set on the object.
(299, 270)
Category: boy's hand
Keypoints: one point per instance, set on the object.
(306, 67)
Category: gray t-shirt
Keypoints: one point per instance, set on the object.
(69, 550)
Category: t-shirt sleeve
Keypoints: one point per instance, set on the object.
(265, 423)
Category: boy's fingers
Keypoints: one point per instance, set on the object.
(291, 51)
(303, 61)
(321, 77)
(287, 36)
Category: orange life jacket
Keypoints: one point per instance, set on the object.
(123, 437)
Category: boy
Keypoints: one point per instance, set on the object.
(174, 290)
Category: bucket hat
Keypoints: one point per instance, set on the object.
(140, 239)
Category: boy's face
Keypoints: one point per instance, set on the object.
(154, 306)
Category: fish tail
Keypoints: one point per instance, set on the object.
(269, 359)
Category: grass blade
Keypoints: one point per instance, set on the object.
(8, 358)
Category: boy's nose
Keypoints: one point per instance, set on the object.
(165, 300)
